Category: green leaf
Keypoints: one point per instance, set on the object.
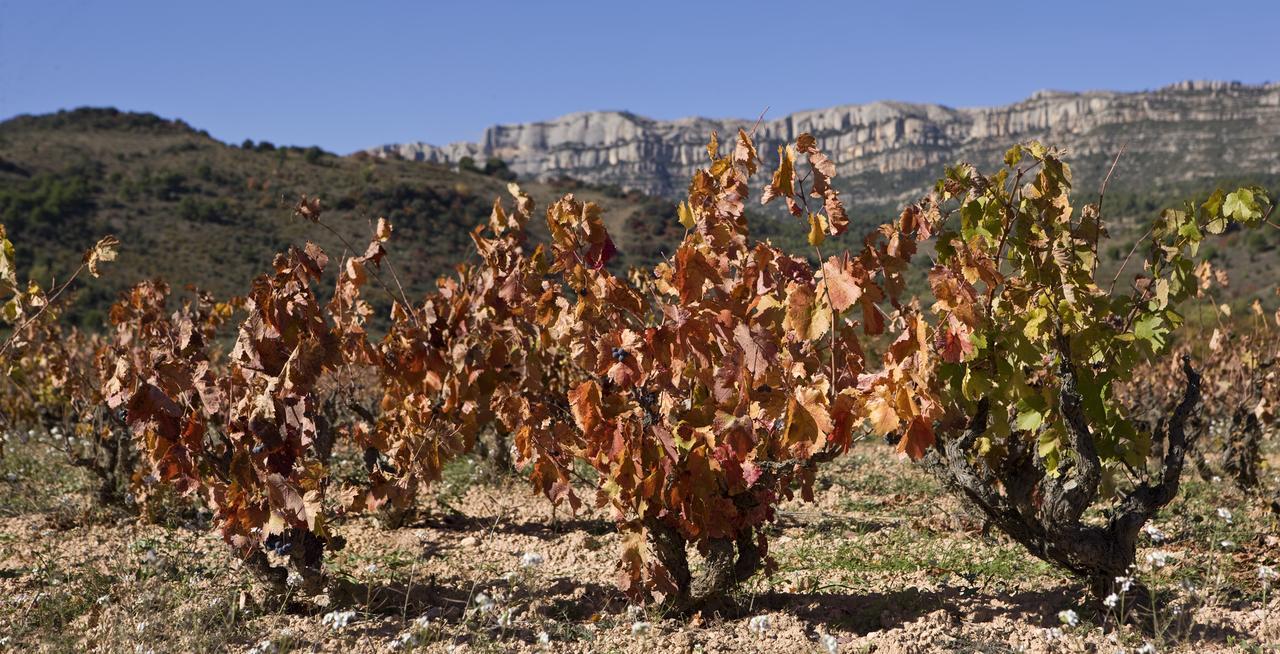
(1013, 156)
(1049, 449)
(1153, 330)
(976, 384)
(1028, 419)
(1035, 318)
(1213, 205)
(1241, 205)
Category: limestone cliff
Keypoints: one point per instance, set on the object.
(887, 151)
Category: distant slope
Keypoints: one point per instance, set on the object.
(193, 210)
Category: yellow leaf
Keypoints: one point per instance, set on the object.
(882, 416)
(686, 215)
(817, 229)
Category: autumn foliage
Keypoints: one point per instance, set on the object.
(688, 399)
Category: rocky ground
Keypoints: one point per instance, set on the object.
(883, 561)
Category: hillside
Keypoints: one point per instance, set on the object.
(193, 210)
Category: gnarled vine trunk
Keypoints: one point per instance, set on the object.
(727, 562)
(1043, 512)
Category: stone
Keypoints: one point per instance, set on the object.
(1218, 128)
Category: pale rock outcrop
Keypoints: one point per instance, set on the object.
(1210, 126)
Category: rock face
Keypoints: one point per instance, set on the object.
(887, 150)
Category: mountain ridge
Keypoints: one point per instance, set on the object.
(899, 139)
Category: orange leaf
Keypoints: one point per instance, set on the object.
(918, 439)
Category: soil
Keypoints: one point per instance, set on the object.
(886, 563)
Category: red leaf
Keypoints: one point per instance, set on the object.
(919, 437)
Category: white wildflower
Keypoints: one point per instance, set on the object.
(1125, 583)
(337, 620)
(1153, 532)
(1111, 601)
(531, 560)
(640, 627)
(759, 624)
(829, 643)
(484, 603)
(1069, 618)
(1225, 514)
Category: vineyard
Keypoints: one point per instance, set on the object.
(959, 436)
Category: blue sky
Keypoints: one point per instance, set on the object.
(346, 75)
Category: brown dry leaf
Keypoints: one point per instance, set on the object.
(104, 250)
(784, 179)
(584, 401)
(286, 499)
(841, 286)
(745, 152)
(807, 314)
